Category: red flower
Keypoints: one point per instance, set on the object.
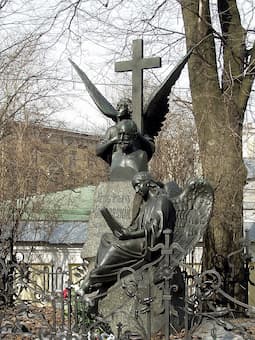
(65, 293)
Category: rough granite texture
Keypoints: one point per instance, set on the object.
(118, 198)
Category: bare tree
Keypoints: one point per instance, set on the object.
(25, 98)
(177, 156)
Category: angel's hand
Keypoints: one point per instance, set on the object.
(114, 140)
(118, 234)
(125, 235)
(122, 235)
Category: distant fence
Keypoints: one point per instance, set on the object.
(42, 279)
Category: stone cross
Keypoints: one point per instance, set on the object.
(137, 65)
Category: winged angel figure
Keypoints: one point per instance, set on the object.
(142, 243)
(193, 208)
(126, 149)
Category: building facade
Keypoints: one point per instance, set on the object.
(37, 159)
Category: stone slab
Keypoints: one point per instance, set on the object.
(118, 198)
(125, 304)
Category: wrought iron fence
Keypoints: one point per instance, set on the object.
(52, 299)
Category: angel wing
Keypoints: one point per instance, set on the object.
(193, 211)
(157, 107)
(101, 102)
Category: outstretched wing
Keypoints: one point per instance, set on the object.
(101, 102)
(156, 109)
(193, 210)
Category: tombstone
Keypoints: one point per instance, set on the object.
(142, 301)
(147, 286)
(117, 193)
(118, 198)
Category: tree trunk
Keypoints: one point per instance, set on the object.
(223, 166)
(219, 118)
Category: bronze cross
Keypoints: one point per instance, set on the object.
(137, 65)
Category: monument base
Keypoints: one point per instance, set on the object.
(135, 304)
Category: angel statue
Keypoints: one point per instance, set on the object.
(123, 147)
(126, 147)
(163, 207)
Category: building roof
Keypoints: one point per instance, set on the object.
(67, 205)
(57, 218)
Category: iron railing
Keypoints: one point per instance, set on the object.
(51, 297)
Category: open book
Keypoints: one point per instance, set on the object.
(113, 224)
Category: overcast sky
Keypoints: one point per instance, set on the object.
(95, 47)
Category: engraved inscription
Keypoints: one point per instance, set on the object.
(118, 198)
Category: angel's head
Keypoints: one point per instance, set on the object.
(143, 182)
(124, 108)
